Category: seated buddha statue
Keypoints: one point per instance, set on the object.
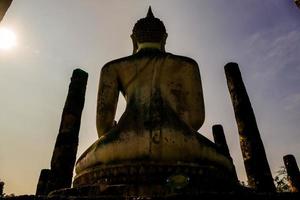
(157, 133)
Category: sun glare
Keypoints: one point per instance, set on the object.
(7, 38)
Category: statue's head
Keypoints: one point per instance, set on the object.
(149, 31)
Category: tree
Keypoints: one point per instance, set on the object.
(281, 180)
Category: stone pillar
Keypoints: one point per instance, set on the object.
(4, 5)
(1, 188)
(220, 141)
(255, 159)
(292, 172)
(65, 150)
(42, 185)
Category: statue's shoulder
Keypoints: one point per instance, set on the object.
(183, 59)
(114, 63)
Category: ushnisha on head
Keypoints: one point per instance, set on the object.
(149, 32)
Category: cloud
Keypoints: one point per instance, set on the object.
(292, 103)
(271, 60)
(273, 53)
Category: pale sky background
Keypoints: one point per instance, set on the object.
(56, 36)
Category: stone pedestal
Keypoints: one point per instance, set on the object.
(151, 179)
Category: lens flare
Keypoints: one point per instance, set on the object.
(7, 38)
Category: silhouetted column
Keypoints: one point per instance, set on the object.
(219, 138)
(64, 154)
(42, 186)
(220, 141)
(292, 172)
(4, 5)
(255, 159)
(1, 188)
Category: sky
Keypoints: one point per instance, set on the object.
(54, 37)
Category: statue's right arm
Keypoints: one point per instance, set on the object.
(108, 94)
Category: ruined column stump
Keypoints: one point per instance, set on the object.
(42, 186)
(1, 188)
(220, 140)
(255, 159)
(292, 172)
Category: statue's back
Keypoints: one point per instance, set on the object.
(154, 81)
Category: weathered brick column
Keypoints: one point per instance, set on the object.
(64, 154)
(292, 172)
(220, 141)
(42, 186)
(1, 188)
(255, 159)
(219, 138)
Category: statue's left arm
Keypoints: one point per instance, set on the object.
(108, 94)
(195, 96)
